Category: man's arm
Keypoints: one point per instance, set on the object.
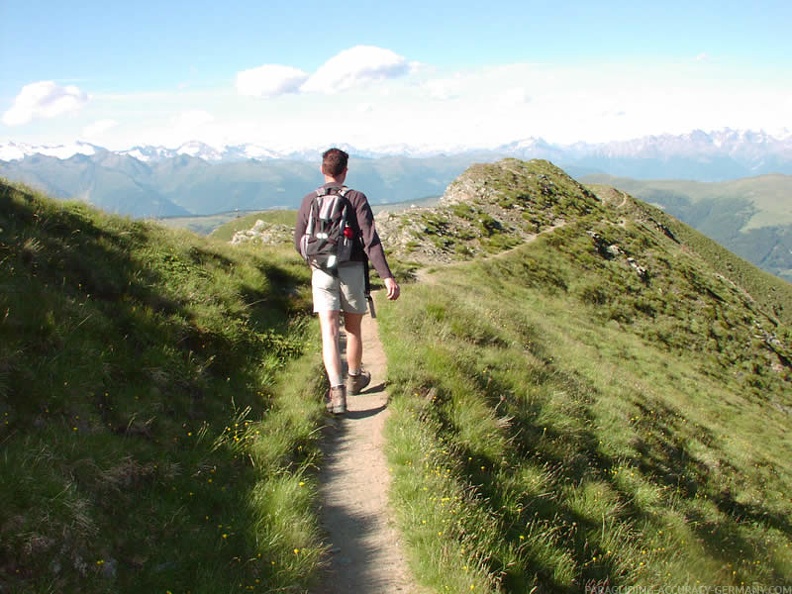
(372, 245)
(371, 240)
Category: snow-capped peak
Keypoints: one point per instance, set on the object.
(200, 150)
(15, 151)
(249, 151)
(696, 142)
(148, 153)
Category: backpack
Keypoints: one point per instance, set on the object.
(328, 238)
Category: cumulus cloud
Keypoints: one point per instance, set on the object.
(44, 99)
(270, 80)
(355, 66)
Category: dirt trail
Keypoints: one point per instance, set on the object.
(365, 548)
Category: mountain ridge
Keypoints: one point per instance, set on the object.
(621, 415)
(198, 180)
(139, 181)
(752, 217)
(695, 143)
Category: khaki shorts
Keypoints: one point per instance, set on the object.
(346, 292)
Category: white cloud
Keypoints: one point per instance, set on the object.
(270, 80)
(425, 105)
(354, 66)
(192, 119)
(182, 127)
(98, 128)
(443, 89)
(44, 99)
(512, 98)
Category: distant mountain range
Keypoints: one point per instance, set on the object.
(196, 179)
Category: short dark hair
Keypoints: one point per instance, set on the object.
(334, 162)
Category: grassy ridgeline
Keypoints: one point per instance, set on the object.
(560, 419)
(149, 443)
(608, 404)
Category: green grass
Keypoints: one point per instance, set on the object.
(201, 224)
(751, 217)
(274, 217)
(607, 404)
(560, 421)
(158, 420)
(586, 454)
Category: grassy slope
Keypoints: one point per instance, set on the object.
(561, 421)
(751, 216)
(148, 444)
(557, 418)
(768, 193)
(224, 225)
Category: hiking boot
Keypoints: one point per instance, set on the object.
(355, 383)
(335, 400)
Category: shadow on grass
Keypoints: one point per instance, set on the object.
(127, 375)
(572, 457)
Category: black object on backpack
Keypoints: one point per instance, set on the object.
(328, 238)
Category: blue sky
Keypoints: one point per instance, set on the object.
(372, 74)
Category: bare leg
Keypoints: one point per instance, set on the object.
(331, 353)
(354, 346)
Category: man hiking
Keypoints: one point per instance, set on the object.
(339, 274)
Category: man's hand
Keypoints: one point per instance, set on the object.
(393, 288)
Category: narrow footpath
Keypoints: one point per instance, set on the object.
(365, 555)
